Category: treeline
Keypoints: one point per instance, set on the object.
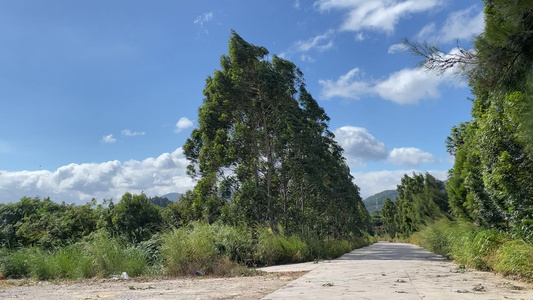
(263, 152)
(32, 222)
(47, 240)
(491, 183)
(272, 187)
(486, 214)
(421, 200)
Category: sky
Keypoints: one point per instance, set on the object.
(98, 97)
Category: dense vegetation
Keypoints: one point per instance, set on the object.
(272, 187)
(490, 188)
(263, 152)
(421, 199)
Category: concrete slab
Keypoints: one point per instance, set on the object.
(396, 271)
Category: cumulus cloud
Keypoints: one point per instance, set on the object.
(183, 123)
(80, 183)
(400, 47)
(410, 157)
(359, 145)
(204, 18)
(371, 183)
(127, 132)
(407, 86)
(379, 15)
(109, 139)
(462, 24)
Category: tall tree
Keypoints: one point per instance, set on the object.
(492, 179)
(263, 152)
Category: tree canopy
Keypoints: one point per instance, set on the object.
(491, 183)
(263, 152)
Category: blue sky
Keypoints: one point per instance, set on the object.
(97, 97)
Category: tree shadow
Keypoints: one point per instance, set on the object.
(391, 251)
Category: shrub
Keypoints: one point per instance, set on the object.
(15, 264)
(515, 258)
(187, 250)
(113, 256)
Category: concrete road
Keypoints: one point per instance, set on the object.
(395, 271)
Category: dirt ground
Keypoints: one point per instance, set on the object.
(254, 287)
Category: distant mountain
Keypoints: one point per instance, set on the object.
(165, 200)
(375, 202)
(171, 196)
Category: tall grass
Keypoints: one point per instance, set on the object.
(100, 256)
(215, 249)
(480, 248)
(204, 248)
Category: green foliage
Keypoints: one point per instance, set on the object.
(44, 223)
(136, 217)
(477, 247)
(114, 256)
(515, 258)
(15, 264)
(187, 250)
(421, 198)
(264, 155)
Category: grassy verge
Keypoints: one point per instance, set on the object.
(480, 248)
(198, 249)
(218, 249)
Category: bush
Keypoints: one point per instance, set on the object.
(234, 242)
(480, 248)
(113, 256)
(15, 264)
(74, 262)
(515, 258)
(187, 250)
(279, 249)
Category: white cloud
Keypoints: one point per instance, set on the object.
(204, 18)
(380, 15)
(410, 157)
(183, 123)
(407, 86)
(462, 24)
(359, 145)
(371, 183)
(400, 47)
(360, 37)
(346, 86)
(127, 132)
(80, 183)
(109, 139)
(320, 42)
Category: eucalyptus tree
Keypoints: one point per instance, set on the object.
(263, 153)
(491, 183)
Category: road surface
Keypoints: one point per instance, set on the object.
(395, 271)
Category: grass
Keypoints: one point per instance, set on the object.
(100, 256)
(198, 249)
(479, 248)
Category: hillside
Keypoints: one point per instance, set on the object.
(375, 202)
